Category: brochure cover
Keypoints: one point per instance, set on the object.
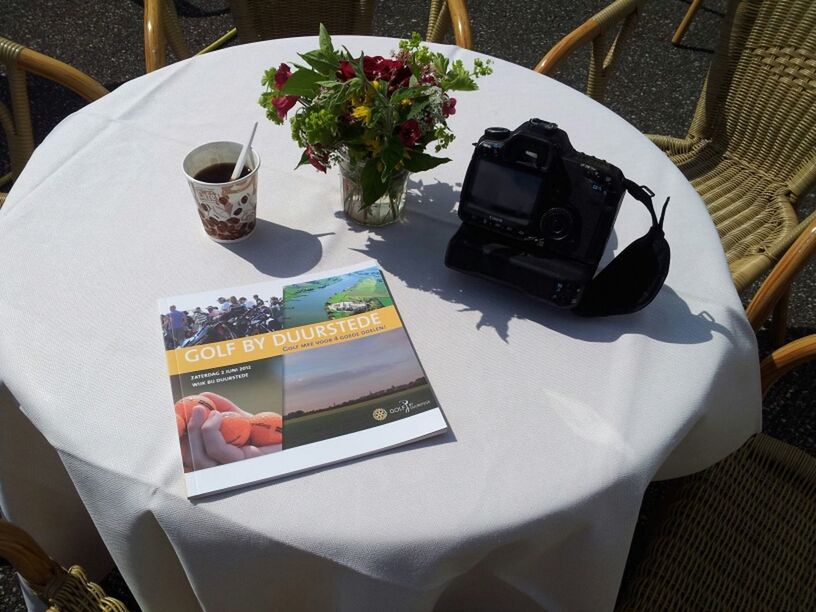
(285, 376)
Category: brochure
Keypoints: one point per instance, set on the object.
(280, 377)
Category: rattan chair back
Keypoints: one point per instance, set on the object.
(15, 120)
(759, 100)
(60, 589)
(751, 147)
(608, 32)
(257, 20)
(277, 19)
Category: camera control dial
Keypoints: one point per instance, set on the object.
(557, 224)
(497, 133)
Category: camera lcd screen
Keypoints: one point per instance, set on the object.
(505, 190)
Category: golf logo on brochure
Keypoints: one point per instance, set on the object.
(319, 362)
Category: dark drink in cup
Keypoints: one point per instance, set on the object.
(226, 207)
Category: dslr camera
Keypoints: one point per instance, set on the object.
(536, 214)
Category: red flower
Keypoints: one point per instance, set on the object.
(284, 104)
(448, 107)
(346, 71)
(399, 78)
(372, 66)
(282, 75)
(409, 132)
(318, 159)
(377, 67)
(428, 79)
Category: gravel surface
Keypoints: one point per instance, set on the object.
(655, 89)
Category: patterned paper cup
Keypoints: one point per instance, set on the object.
(227, 209)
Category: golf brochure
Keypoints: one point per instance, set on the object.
(280, 377)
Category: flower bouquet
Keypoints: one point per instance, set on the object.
(373, 116)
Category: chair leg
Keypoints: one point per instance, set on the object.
(779, 322)
(695, 4)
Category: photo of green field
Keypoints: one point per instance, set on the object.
(369, 292)
(312, 427)
(334, 297)
(343, 388)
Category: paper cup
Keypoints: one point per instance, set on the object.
(227, 210)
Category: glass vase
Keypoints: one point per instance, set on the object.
(386, 209)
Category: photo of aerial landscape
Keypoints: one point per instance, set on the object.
(334, 297)
(336, 390)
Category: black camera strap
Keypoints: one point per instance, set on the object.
(634, 278)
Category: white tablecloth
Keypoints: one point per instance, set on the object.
(558, 423)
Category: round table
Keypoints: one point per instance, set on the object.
(557, 423)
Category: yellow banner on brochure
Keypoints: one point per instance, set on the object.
(285, 341)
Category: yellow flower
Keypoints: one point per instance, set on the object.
(406, 101)
(362, 112)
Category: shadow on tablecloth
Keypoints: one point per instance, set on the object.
(413, 250)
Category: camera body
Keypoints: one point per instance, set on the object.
(536, 213)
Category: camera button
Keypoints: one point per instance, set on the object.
(497, 133)
(543, 125)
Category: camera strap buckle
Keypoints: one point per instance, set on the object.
(643, 194)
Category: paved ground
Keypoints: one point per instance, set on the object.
(655, 89)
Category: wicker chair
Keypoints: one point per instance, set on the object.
(751, 148)
(621, 14)
(60, 589)
(256, 21)
(16, 121)
(740, 535)
(681, 29)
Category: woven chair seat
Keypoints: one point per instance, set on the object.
(60, 589)
(72, 591)
(751, 210)
(738, 536)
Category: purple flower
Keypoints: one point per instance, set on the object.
(448, 107)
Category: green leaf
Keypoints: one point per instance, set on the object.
(458, 78)
(320, 63)
(303, 82)
(392, 154)
(440, 63)
(325, 40)
(373, 185)
(417, 108)
(418, 162)
(304, 159)
(409, 92)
